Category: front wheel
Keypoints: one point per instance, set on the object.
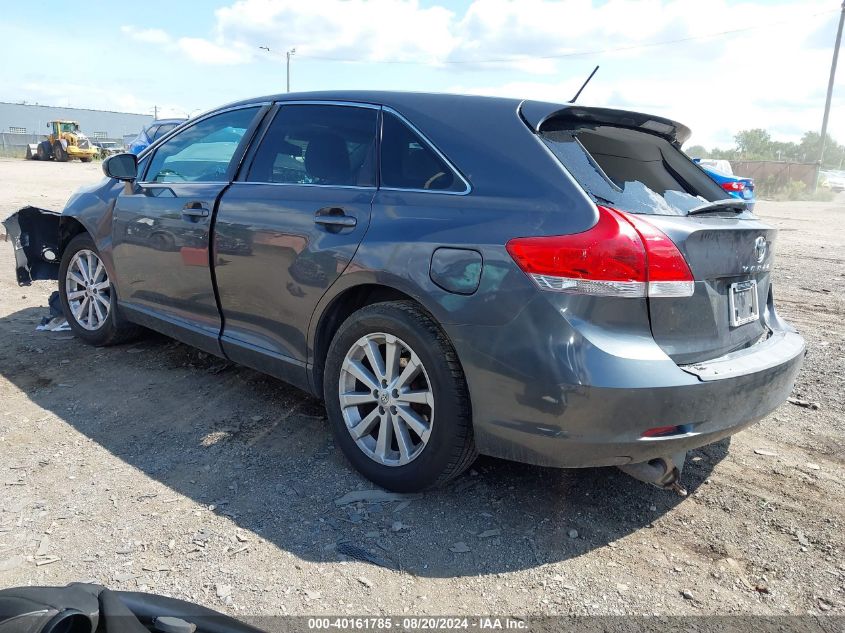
(397, 398)
(87, 295)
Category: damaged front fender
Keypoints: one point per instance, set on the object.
(34, 234)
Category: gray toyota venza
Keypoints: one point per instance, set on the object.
(453, 275)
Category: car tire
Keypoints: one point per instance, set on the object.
(422, 401)
(85, 159)
(100, 325)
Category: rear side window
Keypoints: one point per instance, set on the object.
(631, 170)
(409, 162)
(318, 145)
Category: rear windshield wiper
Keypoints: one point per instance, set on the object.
(738, 206)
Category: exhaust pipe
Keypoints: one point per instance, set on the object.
(663, 472)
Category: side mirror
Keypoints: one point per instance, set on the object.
(121, 167)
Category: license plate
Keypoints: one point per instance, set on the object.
(742, 299)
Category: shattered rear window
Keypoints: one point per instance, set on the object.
(631, 170)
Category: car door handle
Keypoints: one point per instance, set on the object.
(196, 210)
(334, 217)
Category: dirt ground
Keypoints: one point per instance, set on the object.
(154, 466)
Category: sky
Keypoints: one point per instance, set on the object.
(718, 66)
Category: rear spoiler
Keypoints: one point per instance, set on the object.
(536, 114)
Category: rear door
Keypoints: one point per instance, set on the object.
(729, 253)
(289, 226)
(161, 227)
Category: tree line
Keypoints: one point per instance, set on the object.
(757, 144)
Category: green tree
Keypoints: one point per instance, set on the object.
(697, 151)
(754, 144)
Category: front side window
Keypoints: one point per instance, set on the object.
(202, 152)
(408, 162)
(318, 145)
(163, 129)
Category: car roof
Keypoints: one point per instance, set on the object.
(534, 113)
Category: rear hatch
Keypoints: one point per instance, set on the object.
(728, 250)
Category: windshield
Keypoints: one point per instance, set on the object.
(68, 127)
(631, 170)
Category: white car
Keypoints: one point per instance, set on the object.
(833, 180)
(720, 165)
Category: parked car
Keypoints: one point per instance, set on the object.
(833, 180)
(722, 172)
(108, 148)
(152, 132)
(453, 275)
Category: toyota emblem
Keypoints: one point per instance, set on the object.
(761, 247)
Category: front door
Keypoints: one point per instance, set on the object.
(289, 227)
(162, 226)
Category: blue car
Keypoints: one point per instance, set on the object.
(721, 172)
(152, 132)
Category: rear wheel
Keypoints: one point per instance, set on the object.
(397, 398)
(85, 159)
(59, 152)
(87, 296)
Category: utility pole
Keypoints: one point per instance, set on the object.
(830, 84)
(288, 55)
(293, 50)
(155, 113)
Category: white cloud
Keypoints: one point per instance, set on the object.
(771, 72)
(149, 36)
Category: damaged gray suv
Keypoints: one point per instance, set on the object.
(453, 275)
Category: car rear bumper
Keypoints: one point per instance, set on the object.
(583, 406)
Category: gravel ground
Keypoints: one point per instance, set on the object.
(154, 466)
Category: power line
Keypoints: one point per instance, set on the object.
(601, 51)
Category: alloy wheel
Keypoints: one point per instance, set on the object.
(88, 290)
(386, 399)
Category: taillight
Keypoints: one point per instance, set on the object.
(735, 185)
(621, 256)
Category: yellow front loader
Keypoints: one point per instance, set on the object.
(64, 142)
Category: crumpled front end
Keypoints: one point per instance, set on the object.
(34, 234)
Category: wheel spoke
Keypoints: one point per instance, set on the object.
(355, 398)
(99, 311)
(77, 279)
(391, 355)
(99, 269)
(90, 314)
(90, 258)
(403, 440)
(416, 397)
(73, 296)
(385, 436)
(365, 425)
(413, 420)
(101, 299)
(409, 373)
(82, 267)
(80, 309)
(103, 285)
(374, 356)
(360, 372)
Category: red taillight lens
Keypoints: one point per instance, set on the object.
(621, 256)
(735, 185)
